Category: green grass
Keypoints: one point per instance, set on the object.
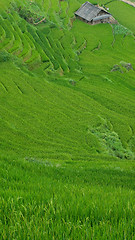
(119, 10)
(67, 129)
(89, 200)
(4, 4)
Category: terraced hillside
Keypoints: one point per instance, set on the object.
(67, 101)
(65, 59)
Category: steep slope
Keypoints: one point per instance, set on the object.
(73, 104)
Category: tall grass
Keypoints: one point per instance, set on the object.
(70, 200)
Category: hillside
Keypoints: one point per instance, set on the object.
(67, 122)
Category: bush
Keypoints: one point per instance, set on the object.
(111, 142)
(116, 68)
(4, 56)
(128, 66)
(30, 13)
(119, 29)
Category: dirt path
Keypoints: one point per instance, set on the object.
(129, 2)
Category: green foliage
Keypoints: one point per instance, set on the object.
(119, 29)
(121, 67)
(128, 66)
(29, 12)
(116, 68)
(4, 56)
(111, 141)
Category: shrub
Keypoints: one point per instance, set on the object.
(116, 68)
(126, 65)
(28, 13)
(111, 142)
(119, 29)
(4, 56)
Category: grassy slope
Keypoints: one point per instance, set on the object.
(62, 126)
(4, 4)
(119, 10)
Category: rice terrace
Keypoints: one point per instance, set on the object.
(67, 120)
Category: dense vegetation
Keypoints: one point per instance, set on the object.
(67, 122)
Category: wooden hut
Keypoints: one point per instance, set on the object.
(92, 14)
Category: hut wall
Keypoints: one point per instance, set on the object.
(96, 22)
(102, 12)
(82, 19)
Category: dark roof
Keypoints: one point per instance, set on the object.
(88, 11)
(102, 17)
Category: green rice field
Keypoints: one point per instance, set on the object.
(67, 122)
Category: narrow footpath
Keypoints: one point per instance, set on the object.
(129, 2)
